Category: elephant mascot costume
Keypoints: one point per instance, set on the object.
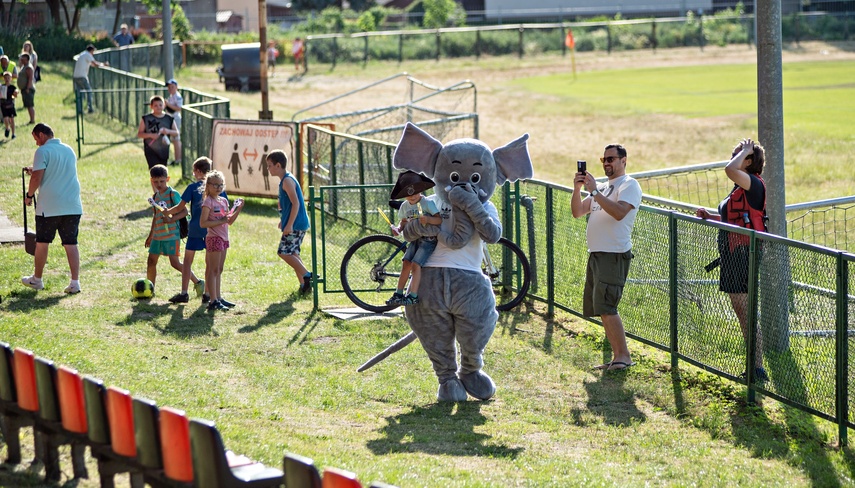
(457, 301)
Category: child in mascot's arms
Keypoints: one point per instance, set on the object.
(415, 206)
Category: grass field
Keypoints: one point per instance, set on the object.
(277, 377)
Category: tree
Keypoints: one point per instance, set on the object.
(440, 13)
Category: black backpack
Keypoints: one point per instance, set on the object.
(183, 224)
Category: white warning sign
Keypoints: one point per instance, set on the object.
(239, 149)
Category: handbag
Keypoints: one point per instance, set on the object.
(29, 237)
(37, 74)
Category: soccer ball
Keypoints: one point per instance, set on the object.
(142, 289)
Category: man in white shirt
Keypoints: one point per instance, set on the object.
(612, 206)
(81, 74)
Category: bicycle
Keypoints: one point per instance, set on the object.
(372, 265)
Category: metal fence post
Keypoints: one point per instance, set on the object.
(521, 42)
(672, 295)
(842, 339)
(400, 48)
(360, 158)
(608, 38)
(550, 254)
(78, 103)
(365, 50)
(477, 44)
(312, 222)
(438, 44)
(750, 339)
(701, 30)
(653, 35)
(333, 177)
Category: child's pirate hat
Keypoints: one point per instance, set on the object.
(410, 183)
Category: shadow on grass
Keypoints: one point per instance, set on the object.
(137, 214)
(28, 475)
(201, 322)
(798, 441)
(440, 428)
(274, 314)
(810, 453)
(27, 300)
(312, 321)
(609, 398)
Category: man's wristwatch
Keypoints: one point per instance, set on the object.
(30, 196)
(595, 192)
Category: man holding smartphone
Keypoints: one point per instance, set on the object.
(612, 206)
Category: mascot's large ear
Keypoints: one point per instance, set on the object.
(512, 161)
(416, 151)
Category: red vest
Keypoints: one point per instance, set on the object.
(738, 212)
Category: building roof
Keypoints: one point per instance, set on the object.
(224, 15)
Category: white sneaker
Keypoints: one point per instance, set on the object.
(72, 289)
(33, 282)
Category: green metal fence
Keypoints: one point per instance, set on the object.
(798, 299)
(139, 57)
(124, 97)
(532, 39)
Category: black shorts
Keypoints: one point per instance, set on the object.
(733, 274)
(66, 225)
(8, 111)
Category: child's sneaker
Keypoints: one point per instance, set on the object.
(33, 282)
(216, 305)
(227, 303)
(199, 288)
(306, 287)
(72, 289)
(7, 132)
(206, 298)
(397, 299)
(180, 298)
(410, 300)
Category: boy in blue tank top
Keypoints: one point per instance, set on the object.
(293, 220)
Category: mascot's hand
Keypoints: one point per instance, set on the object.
(465, 200)
(414, 230)
(461, 233)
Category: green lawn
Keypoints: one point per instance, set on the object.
(276, 376)
(819, 112)
(819, 97)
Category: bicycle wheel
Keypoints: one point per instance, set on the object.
(508, 269)
(370, 271)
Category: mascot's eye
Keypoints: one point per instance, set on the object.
(454, 177)
(475, 178)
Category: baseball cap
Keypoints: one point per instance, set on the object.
(172, 82)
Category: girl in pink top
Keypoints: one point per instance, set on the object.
(216, 217)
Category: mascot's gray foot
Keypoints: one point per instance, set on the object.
(451, 391)
(478, 384)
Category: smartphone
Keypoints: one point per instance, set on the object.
(581, 166)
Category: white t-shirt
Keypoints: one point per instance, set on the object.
(468, 257)
(605, 234)
(81, 67)
(176, 99)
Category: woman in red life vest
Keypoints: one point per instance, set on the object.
(744, 206)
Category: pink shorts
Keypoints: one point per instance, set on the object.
(216, 244)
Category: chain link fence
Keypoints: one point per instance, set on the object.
(792, 319)
(532, 39)
(138, 57)
(123, 97)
